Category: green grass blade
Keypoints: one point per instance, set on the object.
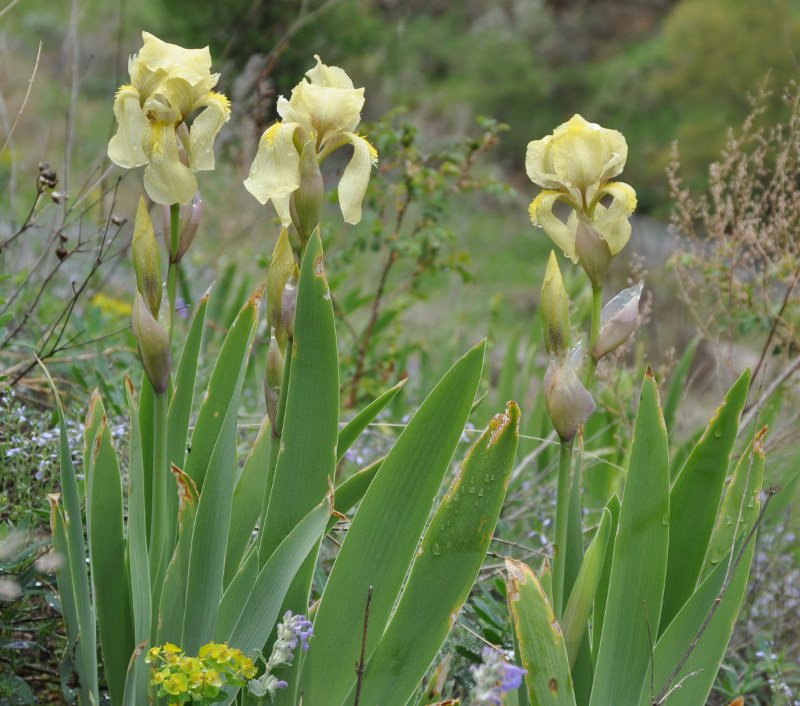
(223, 389)
(451, 554)
(239, 587)
(147, 400)
(728, 525)
(261, 605)
(695, 499)
(677, 386)
(697, 674)
(579, 606)
(251, 485)
(210, 539)
(86, 657)
(94, 418)
(109, 568)
(138, 565)
(350, 492)
(601, 595)
(180, 406)
(173, 594)
(352, 430)
(541, 643)
(307, 457)
(639, 563)
(385, 532)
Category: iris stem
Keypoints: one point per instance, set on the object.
(597, 307)
(172, 272)
(562, 525)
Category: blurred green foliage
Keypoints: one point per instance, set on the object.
(658, 70)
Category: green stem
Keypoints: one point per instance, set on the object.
(597, 306)
(562, 525)
(172, 272)
(158, 519)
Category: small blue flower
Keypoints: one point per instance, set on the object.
(494, 677)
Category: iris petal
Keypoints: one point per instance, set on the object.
(166, 179)
(562, 234)
(205, 128)
(353, 184)
(612, 223)
(275, 172)
(125, 148)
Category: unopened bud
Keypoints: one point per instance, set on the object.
(154, 348)
(593, 252)
(281, 269)
(568, 402)
(273, 381)
(289, 302)
(146, 259)
(305, 204)
(618, 320)
(555, 309)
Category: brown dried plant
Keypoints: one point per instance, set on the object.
(738, 263)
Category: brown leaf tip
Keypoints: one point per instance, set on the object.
(758, 442)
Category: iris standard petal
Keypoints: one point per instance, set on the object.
(205, 128)
(332, 76)
(297, 113)
(275, 172)
(562, 234)
(178, 93)
(194, 65)
(612, 223)
(330, 110)
(166, 179)
(125, 148)
(353, 184)
(579, 153)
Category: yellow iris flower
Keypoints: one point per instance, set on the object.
(321, 115)
(168, 84)
(574, 165)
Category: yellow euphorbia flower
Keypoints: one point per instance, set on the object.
(321, 115)
(574, 166)
(168, 84)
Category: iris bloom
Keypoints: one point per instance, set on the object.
(574, 165)
(321, 116)
(168, 84)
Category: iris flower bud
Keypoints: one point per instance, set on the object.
(618, 320)
(593, 252)
(555, 312)
(568, 402)
(146, 259)
(153, 342)
(273, 381)
(281, 268)
(305, 204)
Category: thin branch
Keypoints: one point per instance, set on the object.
(717, 601)
(362, 662)
(652, 653)
(27, 93)
(775, 323)
(776, 383)
(8, 7)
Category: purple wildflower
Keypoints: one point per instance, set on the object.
(494, 677)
